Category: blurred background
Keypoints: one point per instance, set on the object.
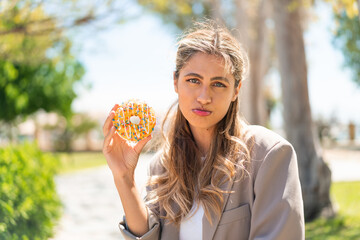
(65, 63)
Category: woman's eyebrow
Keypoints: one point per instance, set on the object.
(220, 78)
(194, 74)
(212, 79)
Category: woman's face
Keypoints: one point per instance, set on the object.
(205, 91)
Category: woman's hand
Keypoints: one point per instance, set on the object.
(122, 156)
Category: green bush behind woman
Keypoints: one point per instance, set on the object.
(29, 204)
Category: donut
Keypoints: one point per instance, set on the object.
(134, 120)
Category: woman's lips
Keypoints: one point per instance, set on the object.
(201, 112)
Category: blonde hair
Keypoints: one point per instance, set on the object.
(186, 178)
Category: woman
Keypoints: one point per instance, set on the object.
(216, 177)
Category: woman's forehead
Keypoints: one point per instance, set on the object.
(207, 64)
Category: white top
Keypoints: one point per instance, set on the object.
(191, 228)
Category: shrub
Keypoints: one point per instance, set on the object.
(29, 204)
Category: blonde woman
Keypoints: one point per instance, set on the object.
(215, 177)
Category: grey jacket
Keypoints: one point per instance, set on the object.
(266, 205)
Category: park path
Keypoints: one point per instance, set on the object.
(92, 208)
(344, 164)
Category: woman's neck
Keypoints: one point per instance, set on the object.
(203, 138)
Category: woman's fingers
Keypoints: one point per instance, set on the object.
(108, 140)
(108, 121)
(115, 107)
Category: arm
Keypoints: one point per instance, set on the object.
(122, 159)
(133, 205)
(278, 206)
(153, 221)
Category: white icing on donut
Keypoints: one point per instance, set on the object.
(135, 120)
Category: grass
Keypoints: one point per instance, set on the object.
(71, 162)
(346, 225)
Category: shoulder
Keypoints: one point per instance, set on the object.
(262, 139)
(269, 150)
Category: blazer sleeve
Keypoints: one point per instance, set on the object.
(152, 234)
(278, 206)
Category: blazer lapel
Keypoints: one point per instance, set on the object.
(170, 231)
(209, 230)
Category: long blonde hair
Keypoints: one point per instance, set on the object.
(186, 178)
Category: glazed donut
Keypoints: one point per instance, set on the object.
(134, 120)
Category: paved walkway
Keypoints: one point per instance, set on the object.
(92, 208)
(344, 164)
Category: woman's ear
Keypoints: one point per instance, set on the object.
(237, 90)
(175, 83)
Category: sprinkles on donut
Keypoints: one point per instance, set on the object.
(134, 120)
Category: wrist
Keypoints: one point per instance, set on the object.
(124, 180)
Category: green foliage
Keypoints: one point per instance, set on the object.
(347, 37)
(349, 6)
(29, 205)
(37, 71)
(24, 88)
(178, 12)
(346, 225)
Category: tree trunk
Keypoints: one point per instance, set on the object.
(242, 26)
(315, 175)
(252, 34)
(258, 55)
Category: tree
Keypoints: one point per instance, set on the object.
(351, 7)
(37, 71)
(347, 33)
(62, 15)
(253, 33)
(26, 88)
(177, 12)
(315, 175)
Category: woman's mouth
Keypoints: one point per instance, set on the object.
(201, 112)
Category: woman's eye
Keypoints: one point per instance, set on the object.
(192, 80)
(219, 84)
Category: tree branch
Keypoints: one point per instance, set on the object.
(43, 26)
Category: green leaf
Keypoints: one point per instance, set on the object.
(10, 71)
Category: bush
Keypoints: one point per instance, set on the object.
(29, 204)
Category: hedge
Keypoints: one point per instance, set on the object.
(29, 204)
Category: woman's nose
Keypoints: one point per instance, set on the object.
(204, 96)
